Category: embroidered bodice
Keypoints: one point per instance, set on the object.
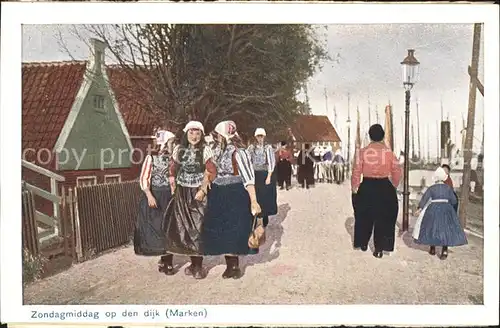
(262, 157)
(155, 172)
(190, 170)
(224, 163)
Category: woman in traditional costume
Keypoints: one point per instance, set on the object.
(264, 162)
(149, 239)
(232, 201)
(193, 169)
(437, 223)
(284, 167)
(305, 162)
(375, 199)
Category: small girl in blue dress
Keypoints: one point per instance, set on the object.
(438, 224)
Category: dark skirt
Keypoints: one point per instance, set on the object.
(266, 194)
(229, 220)
(305, 174)
(149, 238)
(455, 207)
(375, 209)
(284, 172)
(183, 222)
(441, 227)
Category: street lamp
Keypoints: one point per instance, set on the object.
(410, 67)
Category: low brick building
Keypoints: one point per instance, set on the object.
(78, 122)
(316, 130)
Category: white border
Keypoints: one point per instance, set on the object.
(14, 14)
(86, 177)
(80, 98)
(112, 176)
(75, 108)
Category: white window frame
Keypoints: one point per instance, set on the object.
(87, 177)
(119, 176)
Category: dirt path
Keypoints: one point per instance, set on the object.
(308, 259)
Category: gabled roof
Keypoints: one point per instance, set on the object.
(48, 92)
(313, 128)
(132, 103)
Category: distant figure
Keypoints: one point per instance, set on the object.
(305, 162)
(338, 167)
(284, 167)
(448, 180)
(437, 223)
(338, 157)
(375, 200)
(328, 156)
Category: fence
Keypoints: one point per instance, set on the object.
(29, 226)
(47, 226)
(63, 242)
(105, 216)
(92, 219)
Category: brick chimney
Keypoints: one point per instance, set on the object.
(97, 54)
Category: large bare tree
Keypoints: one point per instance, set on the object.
(249, 73)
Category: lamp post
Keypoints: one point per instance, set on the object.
(348, 135)
(410, 67)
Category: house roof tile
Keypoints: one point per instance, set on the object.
(48, 92)
(132, 103)
(313, 128)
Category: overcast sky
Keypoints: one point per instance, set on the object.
(368, 68)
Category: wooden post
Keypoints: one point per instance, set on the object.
(469, 134)
(56, 206)
(78, 236)
(64, 222)
(71, 218)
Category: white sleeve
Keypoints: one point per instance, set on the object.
(207, 154)
(145, 178)
(175, 153)
(245, 167)
(271, 158)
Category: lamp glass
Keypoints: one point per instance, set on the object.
(410, 73)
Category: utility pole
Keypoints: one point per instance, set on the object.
(326, 103)
(443, 147)
(376, 114)
(306, 93)
(442, 117)
(482, 141)
(348, 133)
(418, 134)
(469, 135)
(369, 112)
(428, 144)
(335, 116)
(438, 154)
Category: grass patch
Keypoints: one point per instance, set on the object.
(32, 266)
